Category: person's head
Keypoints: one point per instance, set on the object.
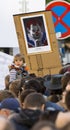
(33, 75)
(64, 81)
(7, 78)
(6, 94)
(24, 82)
(44, 125)
(19, 60)
(14, 87)
(53, 84)
(54, 98)
(8, 105)
(6, 124)
(67, 89)
(23, 95)
(67, 100)
(34, 101)
(41, 80)
(33, 84)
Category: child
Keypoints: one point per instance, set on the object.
(18, 69)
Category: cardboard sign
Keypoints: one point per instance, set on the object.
(37, 41)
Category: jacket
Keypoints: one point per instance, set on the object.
(25, 119)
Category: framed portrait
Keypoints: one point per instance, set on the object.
(35, 33)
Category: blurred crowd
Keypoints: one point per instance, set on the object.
(30, 102)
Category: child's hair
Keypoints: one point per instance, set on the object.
(20, 57)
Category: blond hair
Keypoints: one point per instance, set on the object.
(20, 57)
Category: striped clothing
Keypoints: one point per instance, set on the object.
(18, 73)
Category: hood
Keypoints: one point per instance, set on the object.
(28, 117)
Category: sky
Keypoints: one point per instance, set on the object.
(7, 29)
(8, 8)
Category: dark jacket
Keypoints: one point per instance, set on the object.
(25, 119)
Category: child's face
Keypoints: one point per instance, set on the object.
(18, 62)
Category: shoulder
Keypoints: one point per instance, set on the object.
(54, 106)
(62, 119)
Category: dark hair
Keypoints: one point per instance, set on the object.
(24, 93)
(65, 69)
(41, 80)
(64, 81)
(49, 115)
(67, 100)
(54, 98)
(33, 75)
(33, 84)
(34, 100)
(24, 80)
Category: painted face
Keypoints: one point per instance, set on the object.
(35, 31)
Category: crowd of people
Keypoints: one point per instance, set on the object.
(30, 102)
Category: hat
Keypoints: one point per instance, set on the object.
(47, 78)
(54, 82)
(11, 104)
